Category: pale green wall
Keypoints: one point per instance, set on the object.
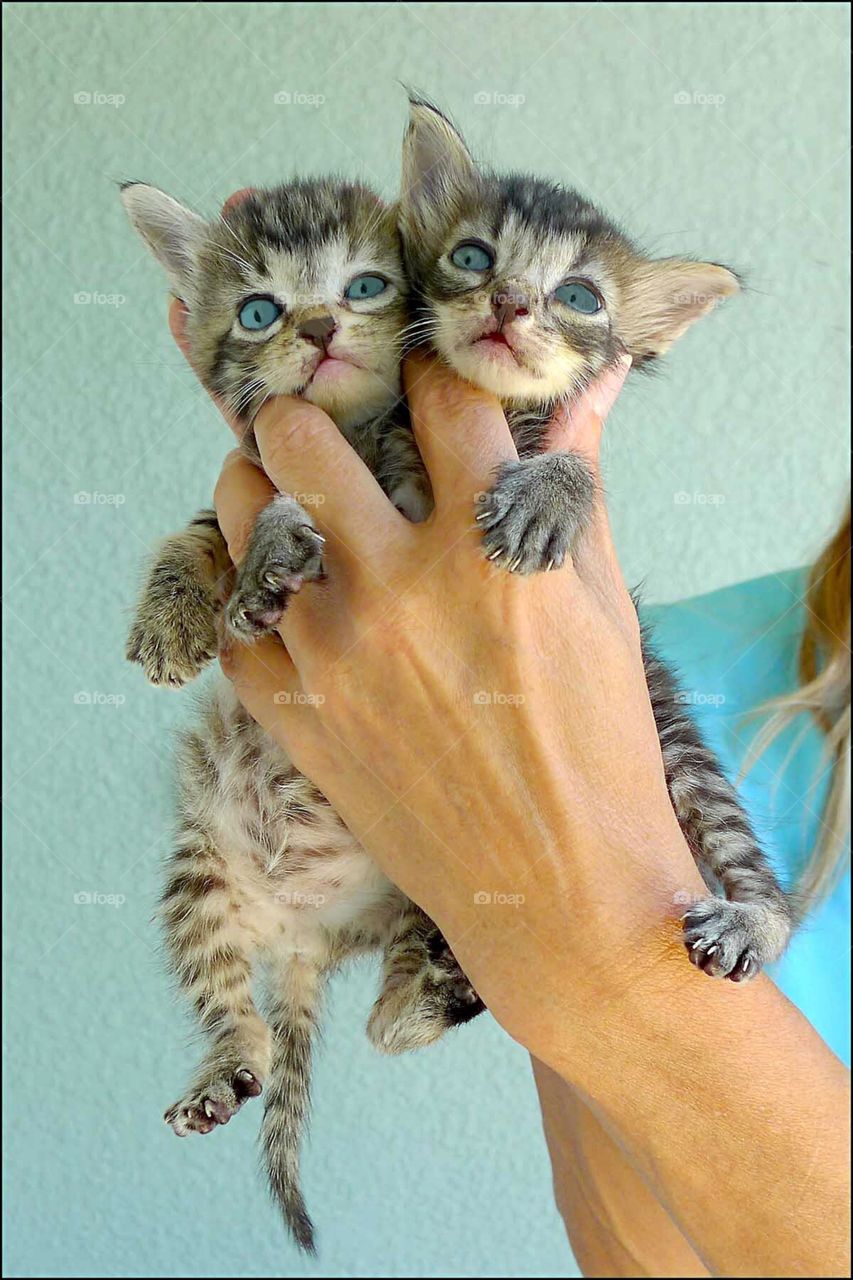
(433, 1165)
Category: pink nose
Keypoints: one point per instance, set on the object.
(507, 306)
(319, 330)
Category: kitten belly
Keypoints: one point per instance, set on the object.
(302, 875)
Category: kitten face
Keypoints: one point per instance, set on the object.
(525, 288)
(298, 290)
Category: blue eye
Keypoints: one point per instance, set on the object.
(579, 297)
(365, 287)
(472, 257)
(259, 313)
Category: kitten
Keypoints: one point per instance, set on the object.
(298, 290)
(528, 291)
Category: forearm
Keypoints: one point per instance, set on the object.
(734, 1115)
(614, 1222)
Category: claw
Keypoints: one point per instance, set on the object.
(495, 554)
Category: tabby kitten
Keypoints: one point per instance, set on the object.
(528, 291)
(298, 290)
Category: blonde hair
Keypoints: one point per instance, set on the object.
(823, 693)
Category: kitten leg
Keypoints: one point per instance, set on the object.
(424, 991)
(211, 953)
(535, 512)
(731, 937)
(174, 629)
(284, 551)
(296, 992)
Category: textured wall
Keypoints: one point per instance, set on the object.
(434, 1165)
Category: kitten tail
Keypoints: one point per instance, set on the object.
(287, 1096)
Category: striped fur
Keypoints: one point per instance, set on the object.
(538, 235)
(264, 877)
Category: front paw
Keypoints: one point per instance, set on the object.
(173, 636)
(734, 940)
(533, 515)
(284, 552)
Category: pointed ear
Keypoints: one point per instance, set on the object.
(663, 298)
(437, 167)
(173, 233)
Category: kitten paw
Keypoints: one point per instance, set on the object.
(173, 640)
(458, 998)
(417, 1012)
(284, 552)
(532, 516)
(733, 940)
(213, 1103)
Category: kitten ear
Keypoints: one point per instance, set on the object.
(437, 167)
(173, 233)
(665, 297)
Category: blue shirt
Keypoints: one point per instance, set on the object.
(734, 649)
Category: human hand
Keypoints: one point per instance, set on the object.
(489, 738)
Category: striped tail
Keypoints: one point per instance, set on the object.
(287, 1095)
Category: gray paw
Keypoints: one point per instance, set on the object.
(447, 984)
(213, 1102)
(533, 515)
(733, 939)
(285, 551)
(174, 634)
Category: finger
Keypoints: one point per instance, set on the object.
(269, 687)
(305, 455)
(580, 430)
(178, 325)
(242, 492)
(461, 432)
(579, 427)
(237, 198)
